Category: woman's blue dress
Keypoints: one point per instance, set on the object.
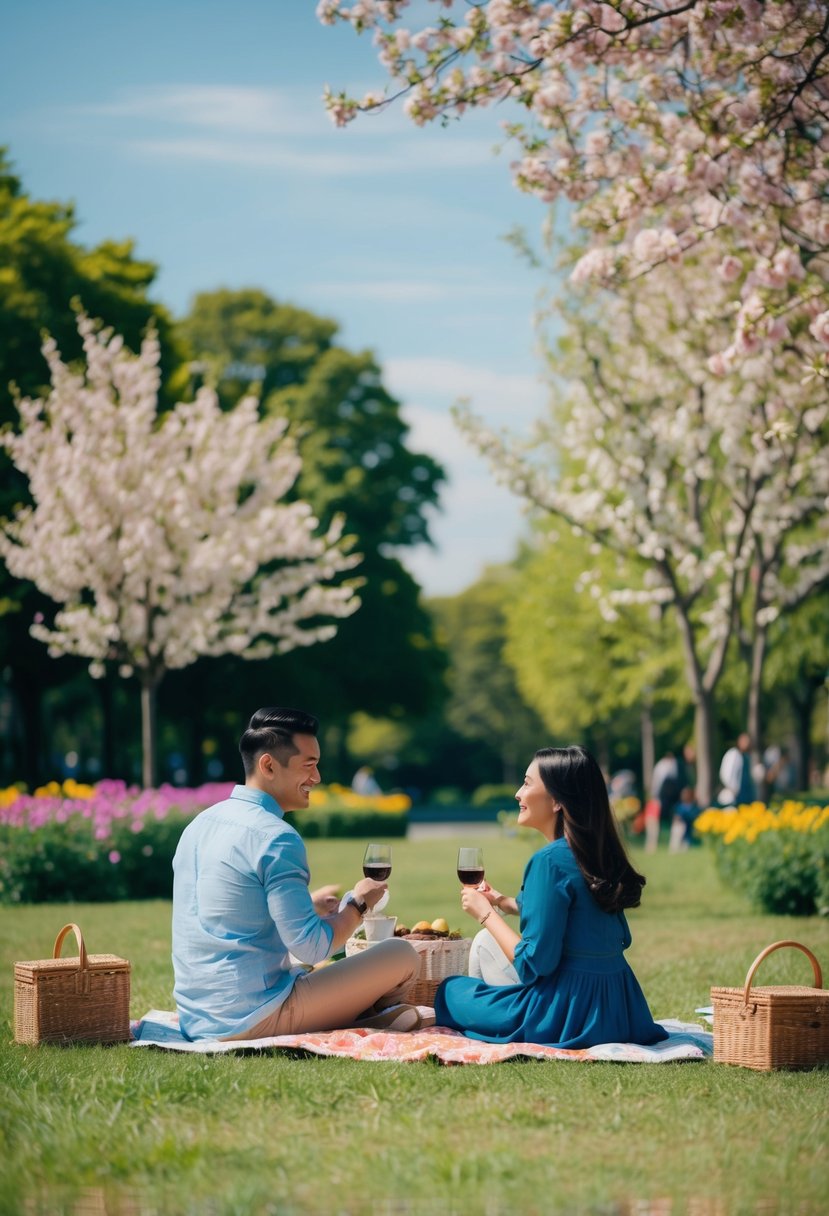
(576, 988)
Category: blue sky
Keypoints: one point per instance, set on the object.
(197, 128)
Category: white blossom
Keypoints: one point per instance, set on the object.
(164, 536)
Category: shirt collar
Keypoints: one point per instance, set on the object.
(248, 793)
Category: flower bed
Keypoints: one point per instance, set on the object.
(778, 856)
(112, 841)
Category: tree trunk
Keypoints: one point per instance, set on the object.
(803, 708)
(702, 691)
(704, 743)
(648, 748)
(149, 730)
(27, 694)
(106, 702)
(753, 722)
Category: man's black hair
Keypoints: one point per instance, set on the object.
(272, 730)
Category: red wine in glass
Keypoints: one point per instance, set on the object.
(377, 862)
(378, 872)
(471, 867)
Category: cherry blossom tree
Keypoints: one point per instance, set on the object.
(666, 124)
(164, 537)
(717, 483)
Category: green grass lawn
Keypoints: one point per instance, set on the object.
(135, 1132)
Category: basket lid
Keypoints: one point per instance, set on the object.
(28, 969)
(795, 994)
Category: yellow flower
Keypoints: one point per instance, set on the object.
(749, 821)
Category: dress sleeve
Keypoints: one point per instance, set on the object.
(545, 907)
(285, 876)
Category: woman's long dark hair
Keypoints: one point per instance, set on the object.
(574, 779)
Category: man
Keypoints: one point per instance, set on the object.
(242, 908)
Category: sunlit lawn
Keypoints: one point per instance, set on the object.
(115, 1130)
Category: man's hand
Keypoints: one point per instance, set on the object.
(369, 890)
(326, 900)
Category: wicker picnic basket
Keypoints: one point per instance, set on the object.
(786, 1026)
(72, 1000)
(439, 957)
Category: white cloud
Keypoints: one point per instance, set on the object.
(273, 128)
(511, 399)
(405, 157)
(215, 107)
(481, 521)
(392, 291)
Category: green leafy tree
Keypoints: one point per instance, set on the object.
(352, 439)
(486, 705)
(796, 669)
(44, 274)
(592, 674)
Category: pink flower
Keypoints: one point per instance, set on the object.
(647, 246)
(114, 856)
(729, 268)
(596, 263)
(787, 263)
(819, 329)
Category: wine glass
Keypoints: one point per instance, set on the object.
(471, 867)
(377, 862)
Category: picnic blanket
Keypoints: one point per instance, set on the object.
(686, 1041)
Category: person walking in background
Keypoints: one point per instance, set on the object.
(688, 767)
(563, 980)
(738, 785)
(364, 782)
(686, 812)
(243, 912)
(780, 775)
(664, 791)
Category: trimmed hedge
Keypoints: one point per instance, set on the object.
(779, 856)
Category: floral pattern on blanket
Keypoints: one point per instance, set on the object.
(686, 1041)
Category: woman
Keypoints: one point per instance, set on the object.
(564, 981)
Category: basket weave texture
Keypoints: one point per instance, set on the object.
(439, 959)
(72, 1000)
(786, 1026)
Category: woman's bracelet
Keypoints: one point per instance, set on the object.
(486, 918)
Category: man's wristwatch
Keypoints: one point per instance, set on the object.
(359, 904)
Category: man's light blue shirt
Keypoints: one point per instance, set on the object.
(241, 905)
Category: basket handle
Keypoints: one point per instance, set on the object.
(777, 946)
(82, 963)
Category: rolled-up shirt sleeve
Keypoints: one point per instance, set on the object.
(546, 899)
(285, 876)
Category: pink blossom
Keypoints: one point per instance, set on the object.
(114, 856)
(647, 246)
(595, 264)
(819, 329)
(691, 118)
(718, 364)
(730, 268)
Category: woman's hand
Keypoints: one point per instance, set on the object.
(476, 903)
(492, 895)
